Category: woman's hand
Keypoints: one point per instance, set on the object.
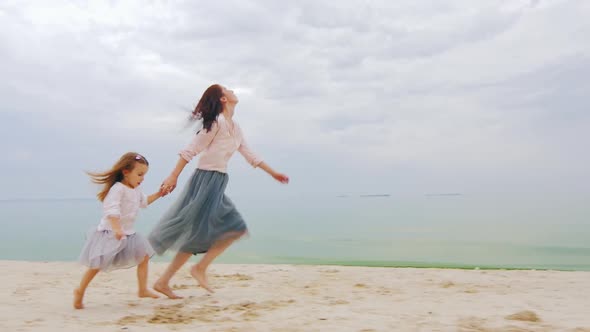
(168, 185)
(282, 178)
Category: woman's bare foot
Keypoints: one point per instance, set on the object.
(78, 298)
(166, 290)
(199, 274)
(147, 293)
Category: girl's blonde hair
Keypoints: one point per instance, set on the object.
(115, 174)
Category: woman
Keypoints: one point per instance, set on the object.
(203, 219)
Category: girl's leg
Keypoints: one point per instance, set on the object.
(162, 284)
(199, 270)
(79, 292)
(142, 276)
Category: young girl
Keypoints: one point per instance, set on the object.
(204, 219)
(115, 244)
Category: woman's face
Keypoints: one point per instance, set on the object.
(230, 95)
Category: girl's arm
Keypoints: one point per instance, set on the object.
(116, 226)
(153, 197)
(282, 178)
(112, 209)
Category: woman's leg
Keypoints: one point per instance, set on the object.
(162, 284)
(199, 270)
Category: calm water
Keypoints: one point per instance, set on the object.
(451, 231)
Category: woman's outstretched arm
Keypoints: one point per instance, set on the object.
(282, 178)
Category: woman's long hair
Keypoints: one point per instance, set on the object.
(115, 174)
(209, 106)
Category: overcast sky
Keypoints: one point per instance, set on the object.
(344, 96)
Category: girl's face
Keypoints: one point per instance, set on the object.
(135, 177)
(229, 95)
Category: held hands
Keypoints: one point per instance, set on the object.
(168, 185)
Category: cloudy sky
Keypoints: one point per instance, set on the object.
(343, 96)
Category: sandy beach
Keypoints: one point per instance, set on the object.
(37, 296)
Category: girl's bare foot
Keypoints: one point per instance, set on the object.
(147, 293)
(165, 289)
(78, 298)
(199, 274)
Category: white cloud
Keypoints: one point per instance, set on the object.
(474, 85)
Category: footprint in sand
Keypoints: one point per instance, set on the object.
(330, 271)
(175, 314)
(233, 277)
(525, 316)
(250, 315)
(311, 290)
(21, 291)
(177, 287)
(231, 329)
(387, 291)
(34, 321)
(447, 284)
(162, 315)
(251, 310)
(170, 315)
(130, 319)
(471, 324)
(209, 313)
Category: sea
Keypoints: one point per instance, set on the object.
(441, 230)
